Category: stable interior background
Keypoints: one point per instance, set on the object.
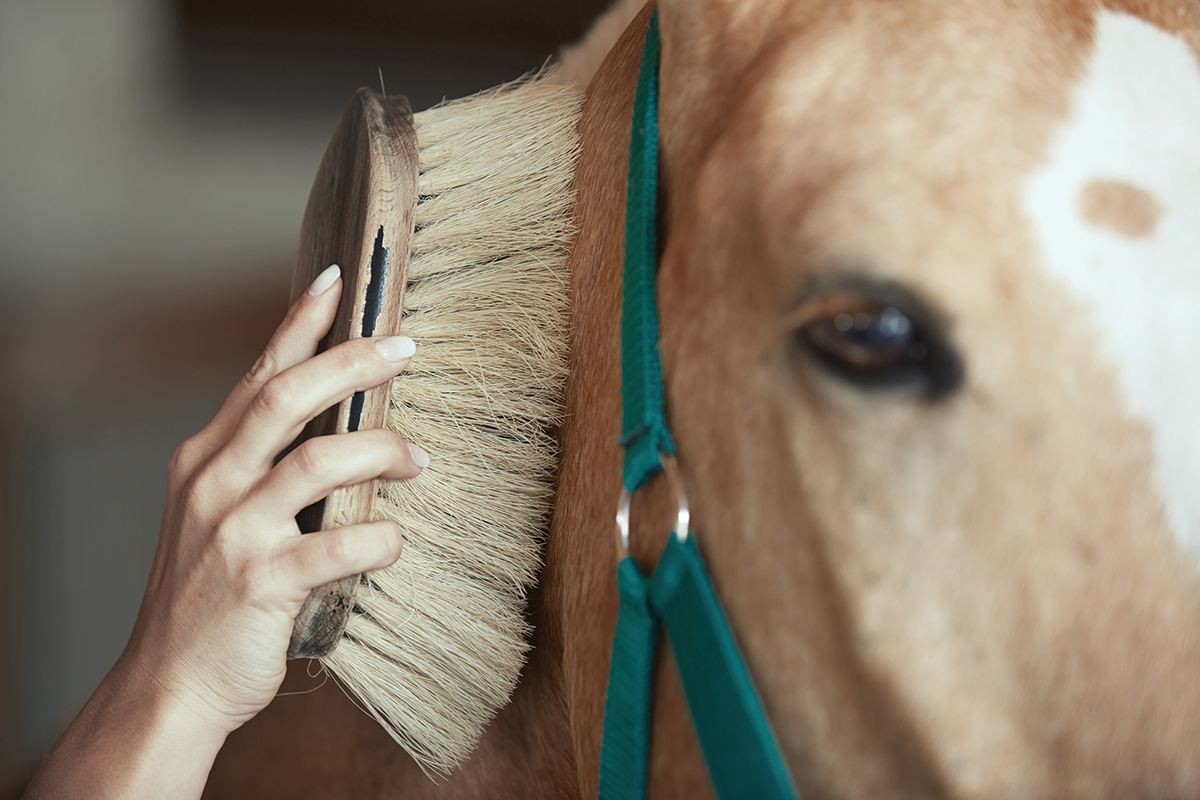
(155, 159)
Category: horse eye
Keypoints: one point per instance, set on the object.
(878, 337)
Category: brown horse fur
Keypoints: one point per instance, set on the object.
(977, 596)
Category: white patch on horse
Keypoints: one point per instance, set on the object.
(1135, 118)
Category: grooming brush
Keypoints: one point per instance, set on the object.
(452, 226)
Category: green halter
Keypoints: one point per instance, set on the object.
(739, 749)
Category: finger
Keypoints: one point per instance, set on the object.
(322, 464)
(277, 414)
(296, 339)
(315, 559)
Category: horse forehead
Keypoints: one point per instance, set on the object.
(1114, 207)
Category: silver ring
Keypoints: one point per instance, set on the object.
(683, 514)
(623, 516)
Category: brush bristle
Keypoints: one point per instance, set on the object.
(437, 641)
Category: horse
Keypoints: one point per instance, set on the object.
(927, 285)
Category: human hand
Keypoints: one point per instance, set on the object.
(231, 570)
(208, 650)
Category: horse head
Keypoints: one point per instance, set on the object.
(927, 292)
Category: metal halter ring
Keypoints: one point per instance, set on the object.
(682, 515)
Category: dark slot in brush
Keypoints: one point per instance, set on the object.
(372, 303)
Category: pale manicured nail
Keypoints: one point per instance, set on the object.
(419, 456)
(325, 280)
(396, 348)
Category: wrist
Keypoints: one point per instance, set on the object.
(134, 738)
(146, 682)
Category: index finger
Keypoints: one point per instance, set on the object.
(295, 340)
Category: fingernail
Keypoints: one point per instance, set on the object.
(396, 348)
(419, 456)
(325, 280)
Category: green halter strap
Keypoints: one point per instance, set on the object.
(739, 749)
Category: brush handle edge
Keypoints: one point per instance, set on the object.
(360, 215)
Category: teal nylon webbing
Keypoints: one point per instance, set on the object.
(625, 752)
(735, 736)
(644, 431)
(739, 749)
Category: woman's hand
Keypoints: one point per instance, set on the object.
(231, 571)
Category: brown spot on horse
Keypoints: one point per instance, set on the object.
(1120, 207)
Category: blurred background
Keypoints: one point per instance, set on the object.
(155, 159)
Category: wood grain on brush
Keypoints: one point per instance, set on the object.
(359, 216)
